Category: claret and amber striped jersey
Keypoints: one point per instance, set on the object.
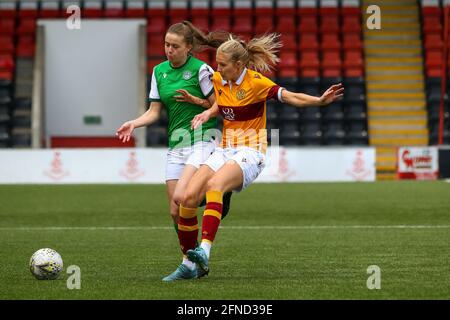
(243, 108)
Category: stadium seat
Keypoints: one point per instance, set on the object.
(6, 44)
(355, 111)
(308, 24)
(155, 45)
(311, 133)
(308, 42)
(92, 9)
(8, 10)
(352, 41)
(333, 113)
(334, 133)
(289, 134)
(27, 26)
(7, 26)
(135, 9)
(114, 9)
(330, 42)
(178, 11)
(28, 9)
(221, 15)
(50, 10)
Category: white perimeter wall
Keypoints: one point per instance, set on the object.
(147, 165)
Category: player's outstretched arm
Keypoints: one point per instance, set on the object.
(189, 98)
(335, 92)
(150, 116)
(201, 118)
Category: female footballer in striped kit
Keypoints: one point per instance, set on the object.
(241, 94)
(182, 84)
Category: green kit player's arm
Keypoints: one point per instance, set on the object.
(189, 98)
(150, 116)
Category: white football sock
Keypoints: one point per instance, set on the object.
(206, 246)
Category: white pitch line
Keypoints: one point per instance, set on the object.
(130, 228)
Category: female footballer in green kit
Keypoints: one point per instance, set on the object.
(183, 85)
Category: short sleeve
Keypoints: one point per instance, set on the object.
(205, 80)
(154, 93)
(266, 89)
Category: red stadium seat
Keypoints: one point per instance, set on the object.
(307, 11)
(114, 9)
(7, 62)
(263, 24)
(242, 24)
(308, 24)
(352, 41)
(6, 75)
(353, 72)
(332, 73)
(309, 59)
(135, 9)
(288, 59)
(221, 16)
(155, 45)
(351, 24)
(289, 41)
(347, 11)
(330, 42)
(433, 59)
(151, 63)
(431, 11)
(432, 25)
(433, 41)
(221, 23)
(27, 26)
(156, 25)
(285, 23)
(6, 44)
(201, 22)
(92, 9)
(287, 73)
(353, 59)
(329, 11)
(7, 26)
(308, 41)
(331, 60)
(50, 9)
(8, 9)
(329, 24)
(178, 11)
(243, 8)
(200, 14)
(309, 72)
(28, 9)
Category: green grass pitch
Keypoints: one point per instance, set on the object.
(280, 241)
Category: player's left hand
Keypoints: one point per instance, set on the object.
(185, 96)
(335, 92)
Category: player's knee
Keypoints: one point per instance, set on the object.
(213, 184)
(190, 199)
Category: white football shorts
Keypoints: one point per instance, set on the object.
(194, 155)
(250, 160)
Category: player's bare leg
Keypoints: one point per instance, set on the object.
(227, 178)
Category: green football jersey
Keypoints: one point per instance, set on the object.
(191, 77)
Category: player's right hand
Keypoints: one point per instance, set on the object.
(125, 131)
(200, 119)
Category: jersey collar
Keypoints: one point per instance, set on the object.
(239, 80)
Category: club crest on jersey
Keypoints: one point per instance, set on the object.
(187, 75)
(240, 94)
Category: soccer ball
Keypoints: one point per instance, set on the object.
(46, 264)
